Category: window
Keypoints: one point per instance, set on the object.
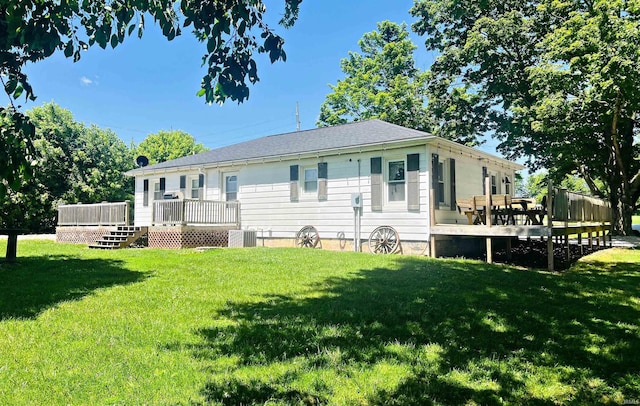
(145, 192)
(441, 195)
(195, 189)
(494, 185)
(231, 188)
(396, 181)
(158, 193)
(310, 180)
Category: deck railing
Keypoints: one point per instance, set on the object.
(97, 214)
(576, 207)
(191, 212)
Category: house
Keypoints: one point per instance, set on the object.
(276, 185)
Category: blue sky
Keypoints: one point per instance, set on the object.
(150, 84)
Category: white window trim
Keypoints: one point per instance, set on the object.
(401, 204)
(497, 175)
(190, 188)
(152, 187)
(445, 203)
(302, 176)
(223, 186)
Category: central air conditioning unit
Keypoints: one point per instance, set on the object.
(242, 238)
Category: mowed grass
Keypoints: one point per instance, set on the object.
(287, 326)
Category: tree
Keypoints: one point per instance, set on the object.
(381, 82)
(537, 185)
(166, 145)
(99, 164)
(31, 30)
(76, 164)
(554, 81)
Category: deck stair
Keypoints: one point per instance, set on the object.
(121, 237)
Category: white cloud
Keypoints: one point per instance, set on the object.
(86, 81)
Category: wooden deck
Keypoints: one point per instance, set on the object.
(516, 231)
(564, 214)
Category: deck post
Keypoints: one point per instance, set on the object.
(550, 266)
(580, 243)
(432, 221)
(487, 210)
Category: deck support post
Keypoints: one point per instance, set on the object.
(590, 238)
(580, 244)
(550, 265)
(432, 221)
(487, 189)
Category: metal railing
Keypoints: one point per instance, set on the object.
(204, 212)
(97, 214)
(576, 207)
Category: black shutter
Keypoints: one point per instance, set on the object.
(452, 183)
(435, 160)
(145, 192)
(484, 176)
(201, 181)
(322, 181)
(413, 182)
(293, 183)
(376, 184)
(183, 181)
(163, 184)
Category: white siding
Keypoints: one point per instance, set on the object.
(469, 182)
(142, 215)
(263, 192)
(266, 205)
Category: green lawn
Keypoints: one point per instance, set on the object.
(635, 220)
(286, 326)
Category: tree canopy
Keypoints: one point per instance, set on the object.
(166, 145)
(232, 32)
(556, 83)
(76, 163)
(380, 82)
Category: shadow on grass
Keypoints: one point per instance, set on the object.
(39, 282)
(467, 332)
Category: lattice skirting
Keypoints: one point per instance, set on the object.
(188, 237)
(80, 235)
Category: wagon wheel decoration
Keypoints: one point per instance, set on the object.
(307, 237)
(384, 240)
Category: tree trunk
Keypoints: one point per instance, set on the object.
(627, 214)
(622, 208)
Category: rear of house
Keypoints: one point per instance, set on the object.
(282, 183)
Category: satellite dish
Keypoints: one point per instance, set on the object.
(142, 161)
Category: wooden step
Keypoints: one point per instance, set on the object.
(121, 237)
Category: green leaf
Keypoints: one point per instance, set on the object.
(114, 41)
(68, 50)
(10, 85)
(18, 92)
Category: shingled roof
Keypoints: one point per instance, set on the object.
(358, 134)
